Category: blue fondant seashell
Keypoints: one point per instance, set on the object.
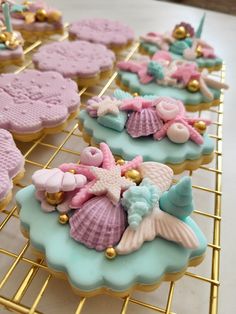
(139, 201)
(98, 224)
(178, 201)
(179, 46)
(143, 123)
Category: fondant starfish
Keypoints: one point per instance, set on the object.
(136, 104)
(110, 182)
(162, 41)
(186, 72)
(106, 106)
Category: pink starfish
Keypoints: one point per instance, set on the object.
(186, 72)
(140, 68)
(136, 104)
(160, 40)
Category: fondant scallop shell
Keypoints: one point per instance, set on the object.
(143, 123)
(98, 224)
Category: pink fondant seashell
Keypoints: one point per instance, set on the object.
(55, 180)
(98, 224)
(162, 55)
(168, 108)
(91, 156)
(178, 133)
(160, 174)
(143, 123)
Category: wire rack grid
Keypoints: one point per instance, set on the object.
(61, 144)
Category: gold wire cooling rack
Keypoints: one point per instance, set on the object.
(34, 275)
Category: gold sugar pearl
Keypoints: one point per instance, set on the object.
(200, 126)
(54, 198)
(110, 253)
(135, 94)
(193, 86)
(12, 44)
(27, 3)
(72, 171)
(120, 162)
(3, 37)
(63, 219)
(199, 51)
(180, 32)
(133, 175)
(41, 15)
(54, 16)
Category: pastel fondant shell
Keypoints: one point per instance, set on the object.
(143, 123)
(98, 224)
(168, 108)
(91, 156)
(178, 133)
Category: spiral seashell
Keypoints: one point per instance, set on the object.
(178, 201)
(178, 133)
(143, 123)
(98, 224)
(168, 108)
(91, 156)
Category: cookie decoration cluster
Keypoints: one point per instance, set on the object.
(108, 210)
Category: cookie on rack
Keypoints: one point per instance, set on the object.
(163, 76)
(11, 42)
(123, 223)
(156, 128)
(33, 103)
(113, 34)
(183, 42)
(11, 167)
(36, 20)
(86, 63)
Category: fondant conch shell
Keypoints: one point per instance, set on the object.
(143, 123)
(99, 224)
(55, 180)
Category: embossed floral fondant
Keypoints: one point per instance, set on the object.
(163, 76)
(183, 42)
(157, 127)
(95, 211)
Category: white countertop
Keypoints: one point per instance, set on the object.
(219, 30)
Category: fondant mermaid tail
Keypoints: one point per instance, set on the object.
(200, 27)
(178, 200)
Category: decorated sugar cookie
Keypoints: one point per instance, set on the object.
(36, 20)
(122, 222)
(112, 34)
(34, 103)
(155, 127)
(85, 62)
(183, 42)
(11, 51)
(11, 167)
(163, 76)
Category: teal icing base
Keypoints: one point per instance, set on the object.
(201, 62)
(131, 81)
(88, 269)
(164, 151)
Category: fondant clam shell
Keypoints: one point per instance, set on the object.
(143, 123)
(98, 224)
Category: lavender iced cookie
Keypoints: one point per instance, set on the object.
(33, 103)
(85, 62)
(113, 34)
(11, 166)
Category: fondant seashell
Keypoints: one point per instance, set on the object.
(168, 108)
(143, 123)
(55, 180)
(178, 201)
(98, 224)
(178, 133)
(91, 156)
(160, 174)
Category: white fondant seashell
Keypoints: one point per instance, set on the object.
(143, 123)
(91, 156)
(189, 54)
(167, 109)
(160, 174)
(158, 223)
(178, 133)
(55, 180)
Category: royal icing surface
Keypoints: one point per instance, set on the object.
(32, 100)
(102, 31)
(11, 162)
(74, 59)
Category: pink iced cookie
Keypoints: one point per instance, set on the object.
(33, 103)
(113, 34)
(85, 62)
(11, 166)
